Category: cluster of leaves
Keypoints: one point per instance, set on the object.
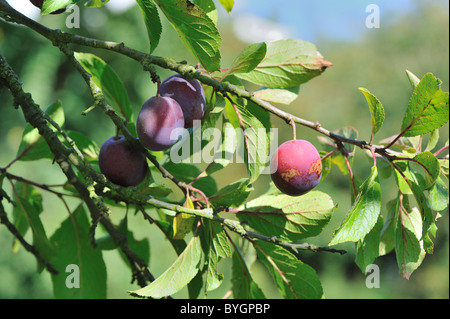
(274, 224)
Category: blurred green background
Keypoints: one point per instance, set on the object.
(416, 39)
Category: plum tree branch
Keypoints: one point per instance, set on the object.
(59, 37)
(65, 159)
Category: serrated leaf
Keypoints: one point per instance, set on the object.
(433, 140)
(438, 196)
(408, 247)
(287, 217)
(427, 109)
(294, 279)
(413, 79)
(368, 248)
(256, 143)
(209, 7)
(376, 111)
(387, 236)
(232, 195)
(177, 276)
(430, 165)
(363, 214)
(73, 247)
(248, 59)
(244, 287)
(227, 4)
(220, 241)
(110, 84)
(182, 223)
(187, 172)
(225, 151)
(152, 22)
(281, 96)
(96, 3)
(87, 147)
(50, 6)
(288, 63)
(195, 29)
(26, 216)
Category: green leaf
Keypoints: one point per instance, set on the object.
(73, 247)
(287, 217)
(376, 111)
(244, 287)
(294, 279)
(152, 22)
(177, 276)
(32, 143)
(88, 147)
(413, 79)
(387, 236)
(363, 214)
(26, 216)
(232, 195)
(281, 96)
(433, 140)
(225, 151)
(326, 165)
(182, 223)
(368, 248)
(187, 172)
(195, 29)
(256, 143)
(427, 109)
(288, 63)
(227, 4)
(248, 59)
(430, 165)
(50, 6)
(209, 7)
(96, 3)
(408, 247)
(215, 246)
(109, 83)
(438, 196)
(220, 241)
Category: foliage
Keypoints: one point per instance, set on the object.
(202, 228)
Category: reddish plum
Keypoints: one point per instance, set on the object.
(189, 94)
(160, 123)
(296, 167)
(122, 164)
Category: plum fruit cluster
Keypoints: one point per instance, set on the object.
(189, 94)
(39, 3)
(120, 163)
(159, 125)
(162, 118)
(296, 167)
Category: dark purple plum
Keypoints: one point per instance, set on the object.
(39, 3)
(296, 167)
(122, 164)
(189, 94)
(160, 123)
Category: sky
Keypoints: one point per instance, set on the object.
(265, 20)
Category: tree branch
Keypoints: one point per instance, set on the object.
(59, 37)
